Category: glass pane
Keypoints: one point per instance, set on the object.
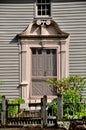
(34, 51)
(43, 1)
(48, 7)
(39, 51)
(48, 12)
(39, 12)
(39, 7)
(53, 51)
(47, 1)
(48, 51)
(43, 12)
(43, 7)
(38, 1)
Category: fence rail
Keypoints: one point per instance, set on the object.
(11, 114)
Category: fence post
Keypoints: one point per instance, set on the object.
(60, 107)
(43, 110)
(3, 113)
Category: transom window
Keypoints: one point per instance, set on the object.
(43, 7)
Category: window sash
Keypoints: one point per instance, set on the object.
(43, 7)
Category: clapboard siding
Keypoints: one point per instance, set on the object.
(71, 17)
(14, 18)
(15, 15)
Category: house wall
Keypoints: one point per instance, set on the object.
(14, 18)
(15, 15)
(71, 17)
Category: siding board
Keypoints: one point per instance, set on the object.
(71, 17)
(14, 18)
(15, 15)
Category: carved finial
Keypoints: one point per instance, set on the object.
(48, 22)
(43, 22)
(38, 22)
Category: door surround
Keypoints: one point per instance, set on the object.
(42, 34)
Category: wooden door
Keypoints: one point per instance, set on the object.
(44, 65)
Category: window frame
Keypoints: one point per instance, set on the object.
(42, 16)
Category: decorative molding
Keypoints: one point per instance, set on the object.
(42, 34)
(23, 84)
(38, 28)
(43, 22)
(42, 43)
(62, 51)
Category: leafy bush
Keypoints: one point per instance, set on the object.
(13, 106)
(70, 88)
(52, 107)
(73, 106)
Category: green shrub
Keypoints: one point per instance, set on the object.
(70, 88)
(72, 105)
(52, 107)
(13, 110)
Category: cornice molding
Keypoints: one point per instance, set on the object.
(43, 29)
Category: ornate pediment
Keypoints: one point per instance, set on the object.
(43, 28)
(44, 44)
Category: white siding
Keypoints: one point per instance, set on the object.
(15, 15)
(71, 17)
(14, 18)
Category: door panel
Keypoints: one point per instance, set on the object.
(40, 87)
(50, 60)
(40, 65)
(44, 65)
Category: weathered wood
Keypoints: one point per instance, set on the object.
(34, 104)
(43, 110)
(3, 113)
(28, 117)
(60, 108)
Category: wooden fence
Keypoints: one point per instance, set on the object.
(26, 117)
(41, 116)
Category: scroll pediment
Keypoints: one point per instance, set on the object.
(43, 28)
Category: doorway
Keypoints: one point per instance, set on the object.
(44, 65)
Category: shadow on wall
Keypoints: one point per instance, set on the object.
(14, 40)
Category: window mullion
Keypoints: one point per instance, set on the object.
(43, 7)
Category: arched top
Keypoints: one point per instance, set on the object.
(43, 28)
